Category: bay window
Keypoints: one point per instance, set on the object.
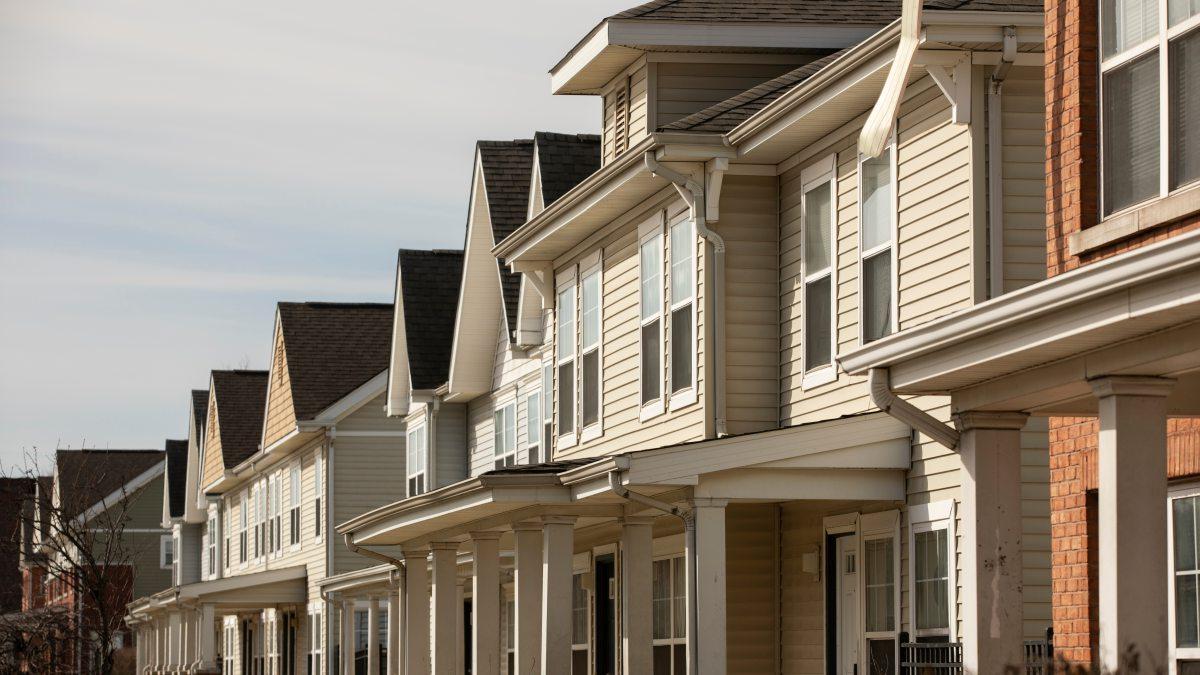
(876, 245)
(817, 211)
(650, 262)
(504, 435)
(589, 349)
(416, 449)
(1150, 99)
(669, 598)
(533, 427)
(683, 311)
(566, 361)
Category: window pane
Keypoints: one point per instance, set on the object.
(498, 432)
(1128, 23)
(877, 295)
(579, 610)
(1179, 10)
(651, 368)
(661, 594)
(681, 348)
(683, 243)
(1184, 522)
(662, 659)
(533, 419)
(566, 323)
(817, 350)
(1185, 611)
(877, 201)
(882, 657)
(651, 274)
(679, 585)
(931, 582)
(548, 388)
(817, 217)
(1130, 136)
(591, 310)
(566, 398)
(880, 585)
(1184, 62)
(591, 387)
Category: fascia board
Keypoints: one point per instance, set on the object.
(399, 382)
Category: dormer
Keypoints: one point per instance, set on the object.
(661, 61)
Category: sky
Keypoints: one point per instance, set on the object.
(170, 170)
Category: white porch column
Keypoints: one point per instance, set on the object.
(174, 638)
(992, 608)
(373, 636)
(207, 636)
(460, 636)
(446, 613)
(394, 619)
(485, 603)
(558, 552)
(1133, 531)
(709, 573)
(527, 564)
(416, 612)
(347, 633)
(637, 613)
(187, 641)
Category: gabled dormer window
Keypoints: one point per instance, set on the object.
(416, 452)
(504, 435)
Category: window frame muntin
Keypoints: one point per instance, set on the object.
(892, 243)
(814, 174)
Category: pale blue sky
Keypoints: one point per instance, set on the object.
(169, 170)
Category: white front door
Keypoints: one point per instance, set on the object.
(847, 604)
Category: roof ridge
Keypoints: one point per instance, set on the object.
(516, 142)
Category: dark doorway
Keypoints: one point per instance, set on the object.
(247, 647)
(468, 640)
(606, 615)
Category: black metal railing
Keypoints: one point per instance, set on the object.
(931, 658)
(1039, 655)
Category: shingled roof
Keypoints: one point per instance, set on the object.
(564, 160)
(176, 476)
(430, 282)
(332, 349)
(507, 170)
(87, 476)
(724, 116)
(241, 399)
(199, 410)
(802, 11)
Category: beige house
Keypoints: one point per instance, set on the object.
(662, 466)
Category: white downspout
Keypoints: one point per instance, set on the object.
(693, 193)
(879, 382)
(995, 136)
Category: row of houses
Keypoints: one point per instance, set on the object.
(864, 336)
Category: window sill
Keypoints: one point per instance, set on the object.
(651, 410)
(566, 441)
(682, 399)
(1182, 203)
(591, 433)
(817, 378)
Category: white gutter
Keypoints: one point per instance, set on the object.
(693, 192)
(878, 127)
(885, 399)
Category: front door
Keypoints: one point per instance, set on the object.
(606, 615)
(843, 574)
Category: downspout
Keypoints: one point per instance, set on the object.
(693, 193)
(363, 551)
(995, 140)
(879, 382)
(689, 538)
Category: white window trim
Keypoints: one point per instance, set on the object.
(927, 518)
(1173, 652)
(505, 408)
(566, 283)
(319, 494)
(892, 243)
(650, 228)
(815, 174)
(687, 396)
(315, 639)
(671, 641)
(533, 435)
(418, 430)
(295, 506)
(592, 264)
(1160, 44)
(165, 542)
(547, 377)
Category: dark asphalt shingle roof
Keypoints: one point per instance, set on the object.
(199, 410)
(87, 476)
(802, 11)
(564, 160)
(724, 116)
(176, 476)
(430, 282)
(542, 468)
(507, 171)
(332, 349)
(241, 399)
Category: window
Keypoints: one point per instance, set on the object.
(650, 261)
(589, 349)
(211, 541)
(277, 510)
(547, 409)
(166, 551)
(416, 452)
(314, 639)
(504, 435)
(294, 504)
(879, 557)
(566, 362)
(1150, 99)
(258, 520)
(243, 511)
(875, 249)
(318, 488)
(683, 311)
(1185, 574)
(510, 633)
(228, 518)
(533, 427)
(817, 208)
(229, 643)
(930, 570)
(579, 625)
(668, 590)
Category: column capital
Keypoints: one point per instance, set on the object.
(707, 502)
(981, 419)
(559, 520)
(1131, 385)
(636, 520)
(527, 526)
(443, 546)
(414, 554)
(485, 535)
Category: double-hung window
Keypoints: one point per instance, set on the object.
(314, 639)
(682, 279)
(533, 427)
(589, 351)
(547, 410)
(294, 505)
(650, 279)
(669, 599)
(565, 341)
(259, 517)
(166, 554)
(277, 523)
(318, 488)
(416, 451)
(211, 545)
(227, 516)
(817, 207)
(931, 570)
(1150, 99)
(244, 517)
(1184, 593)
(579, 624)
(876, 245)
(504, 435)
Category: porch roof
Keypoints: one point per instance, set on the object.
(860, 456)
(1036, 348)
(258, 589)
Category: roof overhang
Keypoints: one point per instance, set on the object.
(367, 578)
(256, 590)
(614, 44)
(1035, 349)
(128, 489)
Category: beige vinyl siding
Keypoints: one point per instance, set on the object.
(1035, 526)
(451, 440)
(685, 88)
(1024, 141)
(481, 446)
(752, 576)
(625, 106)
(143, 553)
(367, 472)
(280, 415)
(214, 464)
(620, 337)
(801, 596)
(749, 225)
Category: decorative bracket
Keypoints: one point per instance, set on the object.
(955, 82)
